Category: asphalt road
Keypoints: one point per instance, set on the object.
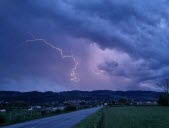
(67, 120)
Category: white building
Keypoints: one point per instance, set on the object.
(3, 110)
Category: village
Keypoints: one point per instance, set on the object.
(46, 109)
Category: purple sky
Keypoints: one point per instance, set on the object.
(118, 45)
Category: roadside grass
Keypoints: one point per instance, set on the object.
(20, 115)
(23, 115)
(136, 117)
(92, 121)
(128, 117)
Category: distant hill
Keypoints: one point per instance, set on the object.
(100, 95)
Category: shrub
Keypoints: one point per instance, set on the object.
(57, 111)
(70, 108)
(164, 99)
(123, 101)
(43, 113)
(2, 119)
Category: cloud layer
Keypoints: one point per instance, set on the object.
(119, 44)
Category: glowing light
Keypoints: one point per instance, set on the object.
(73, 75)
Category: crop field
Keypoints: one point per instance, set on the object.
(130, 117)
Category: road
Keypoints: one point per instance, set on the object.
(67, 120)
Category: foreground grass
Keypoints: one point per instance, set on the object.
(136, 117)
(128, 117)
(92, 121)
(23, 115)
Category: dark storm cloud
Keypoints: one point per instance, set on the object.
(137, 28)
(108, 66)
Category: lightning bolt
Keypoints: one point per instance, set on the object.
(73, 75)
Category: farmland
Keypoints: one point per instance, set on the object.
(130, 117)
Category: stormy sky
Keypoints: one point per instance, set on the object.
(116, 44)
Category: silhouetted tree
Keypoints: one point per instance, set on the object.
(122, 101)
(70, 108)
(164, 97)
(164, 85)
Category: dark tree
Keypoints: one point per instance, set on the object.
(70, 108)
(164, 85)
(122, 101)
(164, 97)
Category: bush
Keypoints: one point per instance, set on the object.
(2, 119)
(70, 108)
(123, 101)
(57, 111)
(43, 113)
(164, 99)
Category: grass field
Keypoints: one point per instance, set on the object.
(93, 121)
(22, 115)
(131, 117)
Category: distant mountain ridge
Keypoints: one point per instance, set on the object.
(101, 95)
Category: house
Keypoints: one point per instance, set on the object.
(60, 108)
(30, 109)
(3, 110)
(55, 108)
(105, 104)
(36, 107)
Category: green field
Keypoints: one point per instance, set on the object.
(17, 116)
(129, 117)
(93, 121)
(22, 115)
